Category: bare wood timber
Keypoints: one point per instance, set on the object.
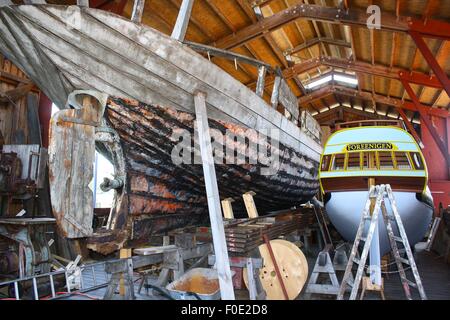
(250, 205)
(138, 10)
(123, 254)
(227, 208)
(179, 31)
(212, 191)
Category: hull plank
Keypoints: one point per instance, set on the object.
(161, 194)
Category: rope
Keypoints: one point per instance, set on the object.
(386, 265)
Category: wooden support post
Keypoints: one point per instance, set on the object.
(164, 274)
(260, 85)
(227, 208)
(179, 31)
(251, 280)
(179, 271)
(250, 205)
(275, 92)
(138, 10)
(367, 285)
(83, 3)
(212, 192)
(123, 254)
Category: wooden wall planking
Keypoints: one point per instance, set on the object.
(15, 120)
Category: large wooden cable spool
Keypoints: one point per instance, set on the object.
(292, 265)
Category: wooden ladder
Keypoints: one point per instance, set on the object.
(379, 193)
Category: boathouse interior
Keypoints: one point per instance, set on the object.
(348, 65)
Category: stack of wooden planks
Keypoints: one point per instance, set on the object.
(244, 237)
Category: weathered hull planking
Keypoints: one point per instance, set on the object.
(159, 195)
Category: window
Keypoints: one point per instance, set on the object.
(325, 163)
(402, 161)
(417, 159)
(338, 162)
(353, 162)
(385, 158)
(369, 160)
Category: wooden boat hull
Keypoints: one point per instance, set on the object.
(159, 195)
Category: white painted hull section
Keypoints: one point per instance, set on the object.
(345, 208)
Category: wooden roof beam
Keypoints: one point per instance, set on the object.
(356, 17)
(313, 42)
(259, 3)
(371, 115)
(365, 95)
(359, 67)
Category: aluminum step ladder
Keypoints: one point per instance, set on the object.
(379, 193)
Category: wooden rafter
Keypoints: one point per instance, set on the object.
(359, 67)
(341, 109)
(365, 95)
(310, 43)
(334, 15)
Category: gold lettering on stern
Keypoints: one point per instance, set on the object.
(370, 146)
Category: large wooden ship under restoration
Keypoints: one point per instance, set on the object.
(127, 88)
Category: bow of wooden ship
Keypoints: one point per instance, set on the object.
(137, 88)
